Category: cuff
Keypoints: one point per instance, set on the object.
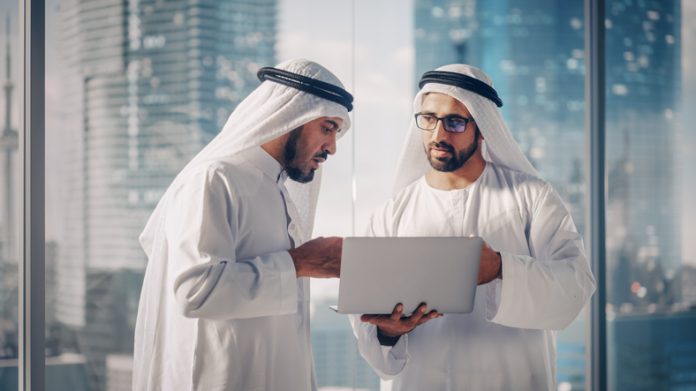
(288, 283)
(398, 352)
(502, 297)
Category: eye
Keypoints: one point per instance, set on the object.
(428, 118)
(456, 121)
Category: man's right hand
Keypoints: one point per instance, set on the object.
(318, 258)
(395, 325)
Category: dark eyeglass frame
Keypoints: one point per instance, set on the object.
(445, 122)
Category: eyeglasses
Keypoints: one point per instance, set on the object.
(452, 123)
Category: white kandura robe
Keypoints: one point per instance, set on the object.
(507, 342)
(229, 312)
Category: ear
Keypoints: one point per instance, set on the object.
(479, 132)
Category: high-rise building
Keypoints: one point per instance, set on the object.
(643, 65)
(146, 84)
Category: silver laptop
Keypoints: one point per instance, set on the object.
(378, 273)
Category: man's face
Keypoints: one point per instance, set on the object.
(448, 151)
(310, 145)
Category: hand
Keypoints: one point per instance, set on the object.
(490, 266)
(319, 258)
(395, 325)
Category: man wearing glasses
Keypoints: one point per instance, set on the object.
(534, 277)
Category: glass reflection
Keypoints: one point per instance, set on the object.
(650, 277)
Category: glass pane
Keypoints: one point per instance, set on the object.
(534, 53)
(337, 362)
(10, 193)
(651, 270)
(134, 90)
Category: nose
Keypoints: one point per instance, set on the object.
(330, 145)
(439, 133)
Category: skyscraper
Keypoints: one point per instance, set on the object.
(146, 84)
(643, 50)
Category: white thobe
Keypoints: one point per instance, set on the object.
(226, 310)
(508, 341)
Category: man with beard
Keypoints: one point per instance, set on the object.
(534, 277)
(225, 300)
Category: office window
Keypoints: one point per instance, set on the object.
(10, 193)
(651, 269)
(134, 90)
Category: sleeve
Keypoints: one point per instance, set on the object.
(387, 361)
(548, 289)
(209, 282)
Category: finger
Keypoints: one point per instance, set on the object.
(430, 316)
(398, 311)
(418, 314)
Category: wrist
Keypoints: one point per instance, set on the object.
(295, 261)
(385, 339)
(500, 266)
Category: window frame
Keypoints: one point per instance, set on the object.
(595, 214)
(31, 322)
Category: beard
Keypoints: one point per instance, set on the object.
(294, 169)
(456, 159)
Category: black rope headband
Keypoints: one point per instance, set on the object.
(307, 84)
(461, 81)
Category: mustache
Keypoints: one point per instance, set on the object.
(441, 145)
(323, 155)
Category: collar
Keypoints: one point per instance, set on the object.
(260, 159)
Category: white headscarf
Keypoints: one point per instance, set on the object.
(270, 111)
(499, 146)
